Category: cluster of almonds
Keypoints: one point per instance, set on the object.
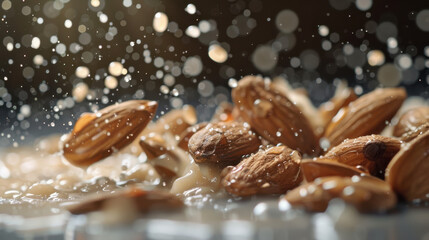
(258, 144)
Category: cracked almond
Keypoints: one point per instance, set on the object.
(98, 135)
(273, 171)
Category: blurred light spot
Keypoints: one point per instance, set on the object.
(193, 31)
(110, 82)
(389, 75)
(392, 42)
(205, 88)
(191, 9)
(95, 3)
(295, 62)
(326, 45)
(375, 58)
(422, 20)
(115, 68)
(28, 72)
(340, 4)
(192, 66)
(204, 26)
(218, 53)
(386, 30)
(309, 59)
(68, 23)
(80, 91)
(264, 58)
(363, 5)
(35, 43)
(6, 5)
(287, 21)
(404, 61)
(323, 30)
(38, 59)
(82, 72)
(60, 49)
(127, 3)
(160, 22)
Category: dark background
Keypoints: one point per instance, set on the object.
(351, 25)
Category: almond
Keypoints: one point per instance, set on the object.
(372, 152)
(187, 134)
(411, 120)
(153, 145)
(175, 121)
(366, 115)
(343, 96)
(144, 201)
(366, 193)
(409, 136)
(273, 115)
(97, 135)
(273, 171)
(312, 169)
(223, 142)
(223, 113)
(407, 173)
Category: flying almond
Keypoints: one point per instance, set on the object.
(372, 152)
(273, 171)
(407, 173)
(97, 135)
(273, 115)
(366, 115)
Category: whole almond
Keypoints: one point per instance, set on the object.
(224, 142)
(273, 171)
(366, 193)
(273, 115)
(366, 115)
(97, 135)
(372, 152)
(411, 120)
(187, 134)
(407, 173)
(144, 201)
(312, 169)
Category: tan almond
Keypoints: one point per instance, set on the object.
(409, 136)
(411, 120)
(371, 152)
(407, 173)
(144, 201)
(366, 193)
(343, 96)
(98, 135)
(273, 171)
(224, 142)
(175, 121)
(273, 115)
(366, 115)
(312, 169)
(153, 145)
(187, 134)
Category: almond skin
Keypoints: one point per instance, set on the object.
(273, 115)
(144, 201)
(97, 135)
(273, 171)
(407, 173)
(312, 169)
(187, 134)
(372, 152)
(224, 142)
(153, 145)
(366, 115)
(409, 136)
(411, 120)
(366, 193)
